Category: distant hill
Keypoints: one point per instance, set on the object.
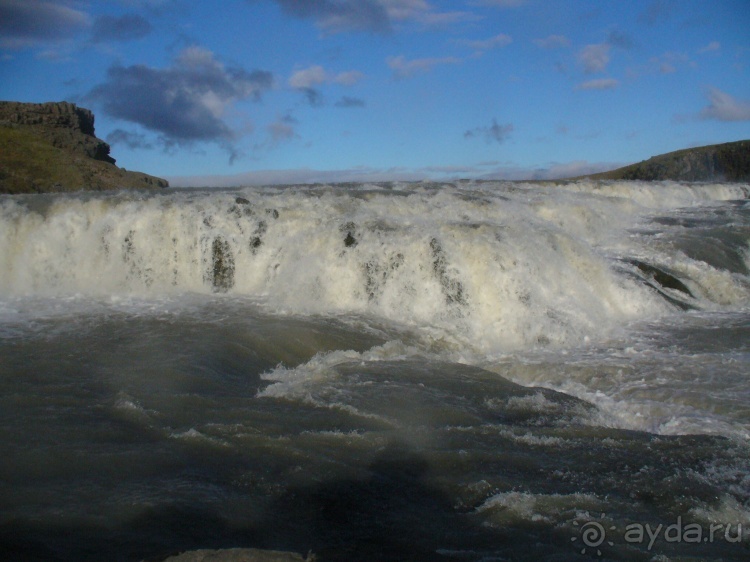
(729, 162)
(52, 147)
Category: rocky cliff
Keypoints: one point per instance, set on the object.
(52, 147)
(728, 162)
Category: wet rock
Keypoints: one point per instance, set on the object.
(453, 289)
(350, 228)
(257, 240)
(223, 265)
(662, 277)
(659, 280)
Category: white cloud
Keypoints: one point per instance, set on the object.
(317, 75)
(299, 176)
(501, 40)
(348, 78)
(422, 12)
(480, 171)
(446, 18)
(712, 46)
(403, 68)
(376, 16)
(196, 57)
(668, 63)
(552, 42)
(724, 107)
(405, 9)
(599, 84)
(499, 3)
(595, 58)
(307, 78)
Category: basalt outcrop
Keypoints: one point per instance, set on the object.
(52, 147)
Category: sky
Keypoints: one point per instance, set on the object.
(240, 92)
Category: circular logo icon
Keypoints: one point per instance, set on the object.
(592, 536)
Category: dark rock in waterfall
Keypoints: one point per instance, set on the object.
(662, 277)
(452, 288)
(350, 228)
(222, 260)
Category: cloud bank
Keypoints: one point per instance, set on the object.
(334, 16)
(372, 16)
(27, 23)
(363, 174)
(183, 103)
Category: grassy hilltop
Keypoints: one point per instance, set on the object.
(52, 147)
(728, 162)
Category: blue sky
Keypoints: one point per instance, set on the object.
(229, 92)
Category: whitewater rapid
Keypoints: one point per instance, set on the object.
(459, 371)
(485, 266)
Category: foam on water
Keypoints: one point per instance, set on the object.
(484, 369)
(508, 507)
(465, 272)
(479, 266)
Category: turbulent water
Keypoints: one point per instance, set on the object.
(464, 371)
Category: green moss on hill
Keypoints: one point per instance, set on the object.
(30, 164)
(51, 147)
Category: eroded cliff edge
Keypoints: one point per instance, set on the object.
(51, 146)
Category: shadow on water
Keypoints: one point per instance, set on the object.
(393, 513)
